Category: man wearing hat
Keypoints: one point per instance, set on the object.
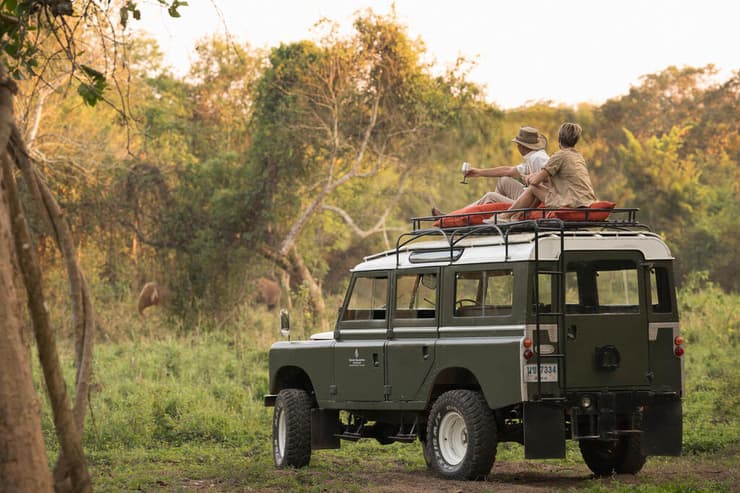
(531, 145)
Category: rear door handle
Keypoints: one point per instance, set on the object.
(572, 333)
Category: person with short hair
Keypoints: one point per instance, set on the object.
(531, 145)
(567, 174)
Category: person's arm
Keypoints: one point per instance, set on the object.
(493, 172)
(537, 178)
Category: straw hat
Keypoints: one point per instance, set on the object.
(530, 138)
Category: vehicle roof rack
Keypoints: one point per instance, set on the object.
(622, 219)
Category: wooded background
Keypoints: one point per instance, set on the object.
(291, 162)
(296, 161)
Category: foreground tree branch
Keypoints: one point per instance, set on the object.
(71, 471)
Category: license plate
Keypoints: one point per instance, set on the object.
(548, 372)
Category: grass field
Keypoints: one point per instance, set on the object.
(181, 410)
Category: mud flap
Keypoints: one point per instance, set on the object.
(324, 427)
(544, 431)
(662, 426)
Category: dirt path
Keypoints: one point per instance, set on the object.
(700, 473)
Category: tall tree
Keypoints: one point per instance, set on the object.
(357, 112)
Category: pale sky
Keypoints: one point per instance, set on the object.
(565, 51)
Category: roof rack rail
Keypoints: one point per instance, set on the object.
(533, 220)
(625, 217)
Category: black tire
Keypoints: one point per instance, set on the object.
(630, 455)
(599, 455)
(291, 429)
(461, 436)
(425, 450)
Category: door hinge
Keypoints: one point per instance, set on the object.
(332, 390)
(387, 390)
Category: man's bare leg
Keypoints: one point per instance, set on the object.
(532, 196)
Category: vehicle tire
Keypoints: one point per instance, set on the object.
(425, 450)
(461, 436)
(291, 429)
(630, 455)
(599, 455)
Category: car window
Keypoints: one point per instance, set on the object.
(416, 295)
(660, 290)
(602, 287)
(368, 299)
(483, 293)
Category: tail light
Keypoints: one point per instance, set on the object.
(528, 354)
(527, 343)
(678, 350)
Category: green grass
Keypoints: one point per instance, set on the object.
(176, 410)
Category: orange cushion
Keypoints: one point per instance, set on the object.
(533, 214)
(471, 219)
(580, 214)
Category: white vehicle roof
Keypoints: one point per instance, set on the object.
(521, 248)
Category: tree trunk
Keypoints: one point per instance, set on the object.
(293, 264)
(23, 461)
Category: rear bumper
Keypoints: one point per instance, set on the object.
(583, 415)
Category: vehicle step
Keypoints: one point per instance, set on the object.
(410, 438)
(352, 437)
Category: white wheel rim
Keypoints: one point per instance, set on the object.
(281, 433)
(453, 438)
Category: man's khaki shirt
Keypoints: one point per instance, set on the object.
(570, 185)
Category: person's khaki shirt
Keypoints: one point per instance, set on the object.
(570, 185)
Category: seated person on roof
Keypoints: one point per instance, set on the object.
(570, 184)
(531, 145)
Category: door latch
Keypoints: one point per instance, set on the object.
(572, 333)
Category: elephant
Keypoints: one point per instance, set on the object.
(268, 292)
(153, 294)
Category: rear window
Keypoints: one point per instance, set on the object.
(602, 287)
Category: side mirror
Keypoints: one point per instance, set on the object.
(284, 323)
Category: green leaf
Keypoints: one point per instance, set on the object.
(124, 16)
(95, 75)
(90, 94)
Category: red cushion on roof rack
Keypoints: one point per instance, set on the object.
(582, 215)
(533, 214)
(472, 218)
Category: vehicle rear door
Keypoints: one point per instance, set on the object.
(606, 329)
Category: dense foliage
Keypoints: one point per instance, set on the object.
(298, 160)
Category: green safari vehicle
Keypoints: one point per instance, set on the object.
(535, 331)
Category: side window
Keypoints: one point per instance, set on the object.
(660, 290)
(416, 295)
(544, 289)
(483, 293)
(367, 301)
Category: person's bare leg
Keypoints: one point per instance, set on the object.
(526, 200)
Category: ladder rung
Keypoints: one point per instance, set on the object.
(556, 355)
(553, 272)
(554, 314)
